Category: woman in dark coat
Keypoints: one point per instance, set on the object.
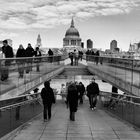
(72, 100)
(20, 62)
(48, 99)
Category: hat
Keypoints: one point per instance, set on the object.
(5, 41)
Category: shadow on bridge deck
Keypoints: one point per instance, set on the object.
(89, 125)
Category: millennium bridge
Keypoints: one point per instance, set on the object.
(21, 109)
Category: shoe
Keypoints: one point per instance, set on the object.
(92, 108)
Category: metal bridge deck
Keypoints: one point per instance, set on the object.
(89, 125)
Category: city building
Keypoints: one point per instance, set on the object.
(133, 48)
(72, 38)
(38, 43)
(82, 44)
(113, 45)
(89, 44)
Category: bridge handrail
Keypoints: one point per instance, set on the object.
(18, 104)
(22, 58)
(112, 57)
(25, 95)
(131, 98)
(102, 93)
(25, 101)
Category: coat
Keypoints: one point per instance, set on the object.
(81, 89)
(47, 96)
(8, 51)
(29, 52)
(72, 98)
(93, 89)
(20, 53)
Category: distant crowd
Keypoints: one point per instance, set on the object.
(29, 51)
(7, 52)
(76, 55)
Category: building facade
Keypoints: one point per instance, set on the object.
(134, 48)
(72, 39)
(82, 44)
(89, 44)
(113, 45)
(38, 43)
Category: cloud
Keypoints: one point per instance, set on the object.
(4, 35)
(25, 14)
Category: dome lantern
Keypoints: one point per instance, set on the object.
(72, 23)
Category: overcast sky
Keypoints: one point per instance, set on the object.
(99, 20)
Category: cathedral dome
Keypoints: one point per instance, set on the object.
(72, 31)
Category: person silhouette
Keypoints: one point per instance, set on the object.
(48, 99)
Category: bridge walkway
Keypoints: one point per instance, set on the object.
(89, 125)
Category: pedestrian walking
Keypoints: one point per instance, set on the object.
(63, 92)
(80, 55)
(48, 99)
(71, 57)
(72, 100)
(92, 93)
(29, 53)
(97, 54)
(76, 57)
(50, 53)
(7, 53)
(81, 90)
(20, 62)
(37, 53)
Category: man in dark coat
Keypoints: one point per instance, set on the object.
(92, 93)
(29, 53)
(8, 53)
(71, 57)
(97, 54)
(48, 99)
(50, 53)
(72, 100)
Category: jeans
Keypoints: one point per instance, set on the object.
(93, 101)
(47, 111)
